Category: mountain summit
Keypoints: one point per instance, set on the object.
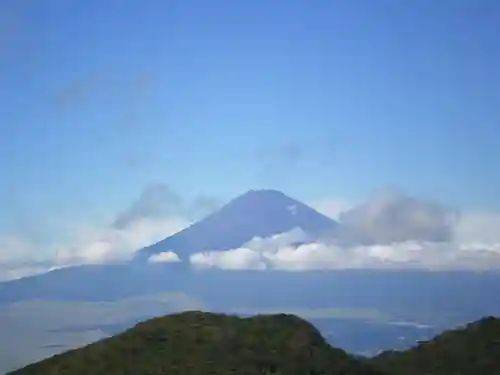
(257, 213)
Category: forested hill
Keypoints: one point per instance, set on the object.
(206, 343)
(470, 350)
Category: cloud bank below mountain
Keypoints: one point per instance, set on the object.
(157, 213)
(390, 231)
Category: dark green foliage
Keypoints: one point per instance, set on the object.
(471, 350)
(204, 344)
(196, 343)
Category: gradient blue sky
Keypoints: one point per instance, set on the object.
(315, 98)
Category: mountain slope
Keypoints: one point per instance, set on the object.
(205, 343)
(257, 213)
(471, 350)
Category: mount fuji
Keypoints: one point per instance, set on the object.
(257, 213)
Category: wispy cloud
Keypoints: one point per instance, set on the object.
(117, 244)
(156, 201)
(86, 245)
(391, 216)
(157, 213)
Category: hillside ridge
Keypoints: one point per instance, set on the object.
(196, 342)
(472, 349)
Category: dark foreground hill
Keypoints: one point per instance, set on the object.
(206, 343)
(471, 350)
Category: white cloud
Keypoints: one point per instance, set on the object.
(391, 216)
(478, 227)
(13, 271)
(293, 236)
(251, 256)
(165, 257)
(403, 255)
(88, 245)
(117, 244)
(18, 250)
(237, 259)
(329, 256)
(157, 213)
(18, 258)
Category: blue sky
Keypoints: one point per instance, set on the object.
(315, 98)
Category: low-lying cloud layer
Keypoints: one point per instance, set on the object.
(117, 244)
(389, 231)
(88, 245)
(157, 213)
(324, 256)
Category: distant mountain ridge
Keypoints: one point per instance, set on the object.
(257, 213)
